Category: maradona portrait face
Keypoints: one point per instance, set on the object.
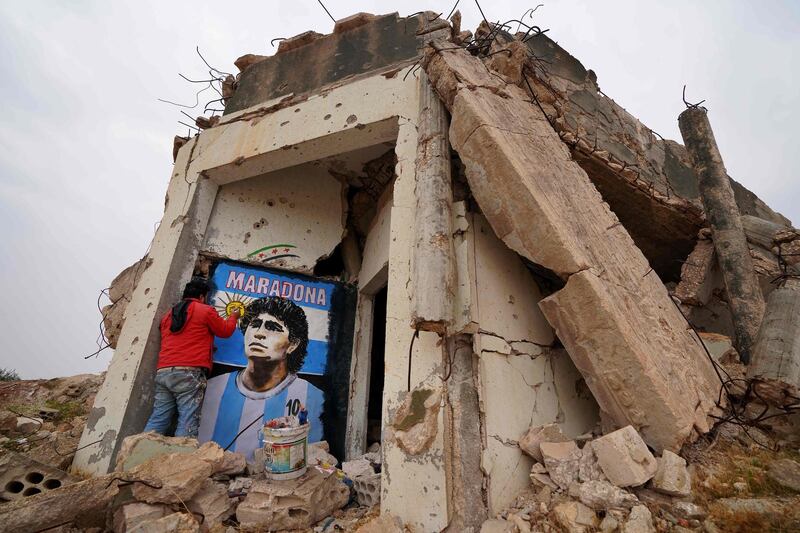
(267, 338)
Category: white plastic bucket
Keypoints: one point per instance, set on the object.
(285, 451)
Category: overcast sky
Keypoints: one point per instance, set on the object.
(86, 148)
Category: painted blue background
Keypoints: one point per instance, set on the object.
(230, 351)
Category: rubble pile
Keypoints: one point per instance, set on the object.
(44, 418)
(614, 483)
(174, 484)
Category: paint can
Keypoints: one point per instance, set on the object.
(285, 451)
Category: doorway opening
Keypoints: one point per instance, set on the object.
(377, 352)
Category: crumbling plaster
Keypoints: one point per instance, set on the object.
(252, 216)
(523, 381)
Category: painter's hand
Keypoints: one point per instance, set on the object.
(236, 314)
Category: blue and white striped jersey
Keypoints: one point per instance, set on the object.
(229, 407)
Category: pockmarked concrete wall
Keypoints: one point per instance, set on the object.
(259, 219)
(249, 143)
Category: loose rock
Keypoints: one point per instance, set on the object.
(562, 460)
(232, 464)
(672, 477)
(574, 517)
(689, 510)
(181, 474)
(589, 469)
(129, 516)
(141, 447)
(639, 521)
(540, 477)
(174, 523)
(211, 502)
(624, 457)
(530, 442)
(602, 495)
(786, 473)
(292, 504)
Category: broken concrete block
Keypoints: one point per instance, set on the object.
(786, 473)
(575, 517)
(639, 521)
(540, 477)
(233, 464)
(672, 477)
(521, 525)
(21, 476)
(614, 315)
(27, 425)
(211, 502)
(181, 474)
(589, 469)
(130, 515)
(257, 466)
(139, 448)
(82, 503)
(368, 489)
(602, 495)
(292, 504)
(383, 523)
(624, 457)
(297, 41)
(357, 467)
(240, 485)
(415, 424)
(248, 59)
(697, 279)
(318, 454)
(562, 460)
(529, 443)
(352, 22)
(173, 523)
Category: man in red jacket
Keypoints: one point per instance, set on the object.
(187, 340)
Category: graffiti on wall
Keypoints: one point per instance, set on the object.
(273, 252)
(283, 335)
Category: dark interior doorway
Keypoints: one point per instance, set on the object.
(377, 352)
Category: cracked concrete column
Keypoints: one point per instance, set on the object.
(123, 403)
(467, 507)
(776, 354)
(432, 260)
(741, 285)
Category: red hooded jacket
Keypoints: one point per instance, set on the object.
(193, 344)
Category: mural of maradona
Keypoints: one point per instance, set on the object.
(275, 341)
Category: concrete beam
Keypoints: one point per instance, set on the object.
(543, 206)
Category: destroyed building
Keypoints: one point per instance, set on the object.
(494, 243)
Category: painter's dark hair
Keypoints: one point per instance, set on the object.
(196, 288)
(292, 315)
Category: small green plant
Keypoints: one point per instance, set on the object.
(66, 410)
(8, 374)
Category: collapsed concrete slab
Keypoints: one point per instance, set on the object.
(295, 504)
(614, 315)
